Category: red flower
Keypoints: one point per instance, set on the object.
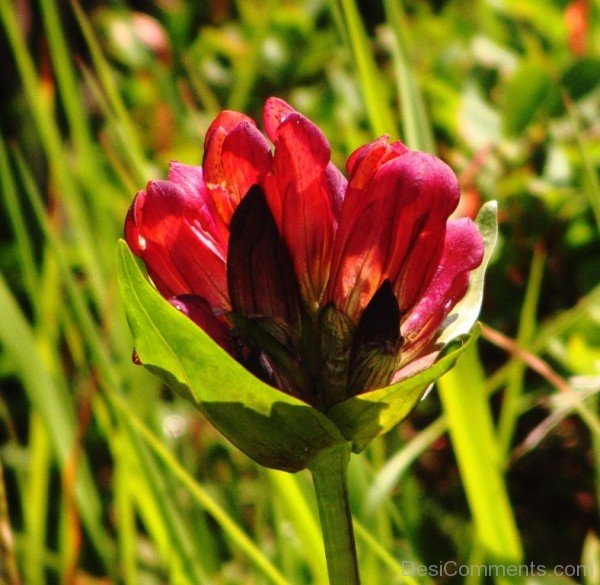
(323, 286)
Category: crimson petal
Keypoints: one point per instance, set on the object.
(463, 252)
(336, 190)
(392, 226)
(169, 228)
(227, 120)
(191, 179)
(431, 195)
(365, 230)
(298, 194)
(274, 113)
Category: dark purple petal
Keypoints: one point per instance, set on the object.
(260, 277)
(376, 343)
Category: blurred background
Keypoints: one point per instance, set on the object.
(107, 477)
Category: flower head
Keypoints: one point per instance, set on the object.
(325, 287)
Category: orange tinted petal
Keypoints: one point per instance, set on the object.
(236, 156)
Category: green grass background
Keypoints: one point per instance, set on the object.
(109, 478)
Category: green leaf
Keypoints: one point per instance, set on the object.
(582, 77)
(273, 428)
(365, 416)
(526, 93)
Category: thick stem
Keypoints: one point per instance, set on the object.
(330, 477)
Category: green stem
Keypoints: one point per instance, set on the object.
(330, 477)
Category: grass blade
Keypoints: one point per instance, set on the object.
(418, 134)
(527, 324)
(304, 521)
(201, 496)
(54, 405)
(371, 82)
(472, 434)
(110, 88)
